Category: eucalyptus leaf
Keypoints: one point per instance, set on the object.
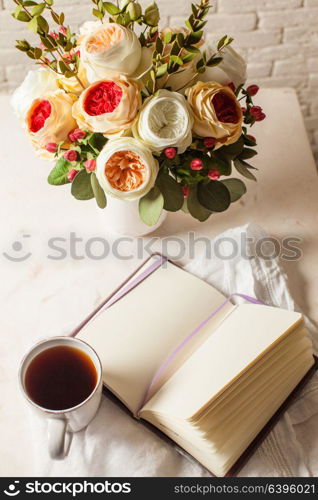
(151, 206)
(97, 142)
(234, 149)
(236, 188)
(98, 191)
(247, 153)
(243, 168)
(81, 186)
(171, 191)
(214, 196)
(58, 174)
(195, 208)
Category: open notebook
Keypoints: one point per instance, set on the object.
(222, 386)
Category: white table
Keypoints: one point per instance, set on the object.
(42, 297)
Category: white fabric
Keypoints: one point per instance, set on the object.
(116, 445)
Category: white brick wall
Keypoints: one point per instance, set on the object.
(279, 38)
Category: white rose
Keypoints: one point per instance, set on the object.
(232, 68)
(165, 120)
(113, 50)
(126, 168)
(36, 84)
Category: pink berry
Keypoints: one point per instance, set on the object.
(231, 86)
(70, 155)
(62, 30)
(170, 153)
(186, 191)
(209, 142)
(54, 35)
(196, 164)
(76, 135)
(255, 111)
(51, 147)
(72, 173)
(90, 165)
(214, 174)
(252, 90)
(260, 117)
(243, 110)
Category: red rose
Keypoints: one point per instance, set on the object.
(225, 108)
(102, 98)
(40, 113)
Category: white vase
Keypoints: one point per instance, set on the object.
(122, 217)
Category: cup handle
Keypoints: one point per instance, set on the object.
(56, 438)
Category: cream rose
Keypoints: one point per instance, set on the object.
(165, 120)
(126, 168)
(108, 106)
(232, 68)
(36, 84)
(109, 50)
(49, 119)
(217, 113)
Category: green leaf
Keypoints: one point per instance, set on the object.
(97, 14)
(222, 163)
(243, 168)
(33, 25)
(98, 191)
(22, 16)
(38, 9)
(81, 186)
(223, 41)
(195, 208)
(192, 49)
(152, 15)
(112, 9)
(159, 45)
(176, 59)
(171, 191)
(247, 153)
(161, 70)
(234, 149)
(97, 142)
(236, 188)
(188, 57)
(150, 206)
(55, 17)
(214, 61)
(167, 37)
(58, 174)
(214, 196)
(43, 24)
(195, 37)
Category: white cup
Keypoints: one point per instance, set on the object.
(62, 423)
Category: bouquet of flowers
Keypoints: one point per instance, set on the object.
(128, 110)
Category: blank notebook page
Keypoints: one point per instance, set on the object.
(243, 337)
(135, 335)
